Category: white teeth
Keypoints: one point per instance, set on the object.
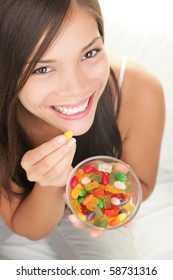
(71, 110)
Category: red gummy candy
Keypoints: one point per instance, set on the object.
(97, 172)
(74, 182)
(110, 213)
(88, 169)
(119, 195)
(105, 178)
(84, 210)
(98, 192)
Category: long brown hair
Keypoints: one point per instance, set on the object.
(22, 24)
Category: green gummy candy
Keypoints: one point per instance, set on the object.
(101, 204)
(107, 201)
(83, 193)
(121, 177)
(81, 199)
(104, 222)
(112, 177)
(128, 186)
(96, 223)
(98, 212)
(95, 177)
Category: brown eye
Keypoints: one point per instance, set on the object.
(91, 54)
(42, 70)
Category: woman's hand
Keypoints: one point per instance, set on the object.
(50, 163)
(93, 232)
(76, 223)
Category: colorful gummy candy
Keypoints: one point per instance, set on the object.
(100, 196)
(68, 134)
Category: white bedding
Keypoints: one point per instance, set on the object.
(153, 226)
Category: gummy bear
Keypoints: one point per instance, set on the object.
(76, 191)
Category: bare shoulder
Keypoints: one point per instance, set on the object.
(143, 88)
(137, 77)
(141, 92)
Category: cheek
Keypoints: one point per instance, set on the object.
(32, 94)
(100, 72)
(27, 99)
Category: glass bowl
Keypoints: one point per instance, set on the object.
(103, 192)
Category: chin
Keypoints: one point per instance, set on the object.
(80, 128)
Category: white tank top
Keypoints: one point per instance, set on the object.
(121, 76)
(122, 71)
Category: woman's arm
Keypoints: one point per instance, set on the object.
(37, 215)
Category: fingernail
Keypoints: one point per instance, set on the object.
(62, 139)
(94, 234)
(71, 142)
(128, 224)
(72, 219)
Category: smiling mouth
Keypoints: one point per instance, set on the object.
(72, 110)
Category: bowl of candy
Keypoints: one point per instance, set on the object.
(103, 192)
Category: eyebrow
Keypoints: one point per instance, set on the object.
(84, 49)
(91, 43)
(42, 61)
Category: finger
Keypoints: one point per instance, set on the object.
(59, 174)
(121, 167)
(54, 163)
(35, 155)
(57, 157)
(128, 225)
(76, 222)
(96, 232)
(66, 200)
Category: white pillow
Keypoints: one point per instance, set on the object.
(143, 30)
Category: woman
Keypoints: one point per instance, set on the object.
(56, 76)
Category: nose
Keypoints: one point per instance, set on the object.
(73, 81)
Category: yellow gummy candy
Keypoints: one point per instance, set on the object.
(76, 191)
(91, 205)
(112, 189)
(93, 185)
(82, 216)
(76, 205)
(122, 216)
(128, 207)
(68, 134)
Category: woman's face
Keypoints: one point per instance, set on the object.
(66, 84)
